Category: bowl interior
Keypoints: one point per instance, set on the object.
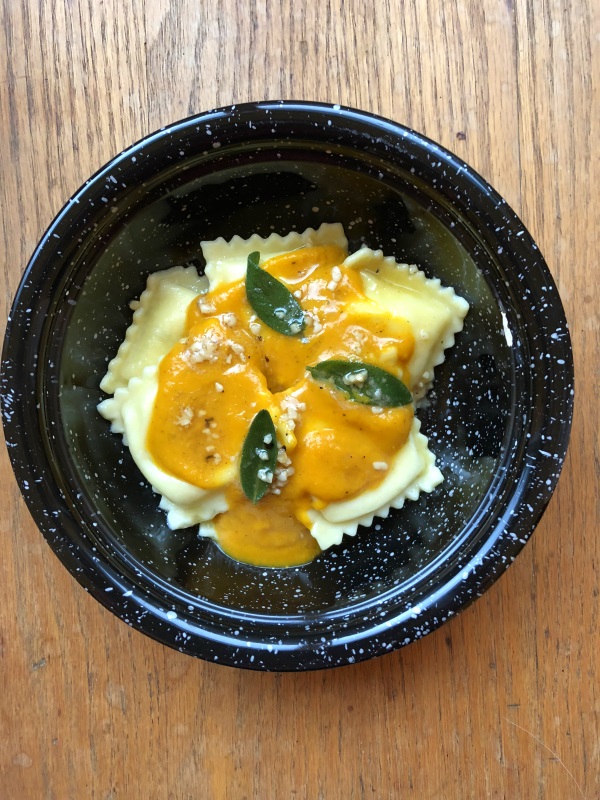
(260, 188)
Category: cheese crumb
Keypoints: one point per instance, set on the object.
(219, 387)
(239, 350)
(186, 417)
(206, 308)
(229, 319)
(310, 319)
(356, 378)
(291, 406)
(380, 465)
(203, 348)
(336, 277)
(283, 458)
(265, 475)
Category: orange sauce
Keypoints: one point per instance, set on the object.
(231, 365)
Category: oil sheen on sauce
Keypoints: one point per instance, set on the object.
(230, 365)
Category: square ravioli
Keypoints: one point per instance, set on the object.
(333, 349)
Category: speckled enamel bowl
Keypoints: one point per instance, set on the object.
(498, 418)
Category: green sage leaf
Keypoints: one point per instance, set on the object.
(363, 383)
(259, 456)
(271, 301)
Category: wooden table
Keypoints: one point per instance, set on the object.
(503, 702)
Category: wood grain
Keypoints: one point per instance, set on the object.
(504, 701)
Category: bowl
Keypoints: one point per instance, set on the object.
(498, 417)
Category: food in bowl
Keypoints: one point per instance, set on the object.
(271, 400)
(497, 417)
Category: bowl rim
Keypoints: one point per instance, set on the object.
(486, 562)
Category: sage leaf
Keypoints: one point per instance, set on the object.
(259, 456)
(363, 383)
(271, 301)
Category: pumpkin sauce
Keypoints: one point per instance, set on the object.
(230, 365)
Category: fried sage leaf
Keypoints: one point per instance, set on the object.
(272, 302)
(259, 456)
(363, 383)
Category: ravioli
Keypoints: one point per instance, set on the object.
(197, 364)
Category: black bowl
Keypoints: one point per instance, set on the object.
(498, 418)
